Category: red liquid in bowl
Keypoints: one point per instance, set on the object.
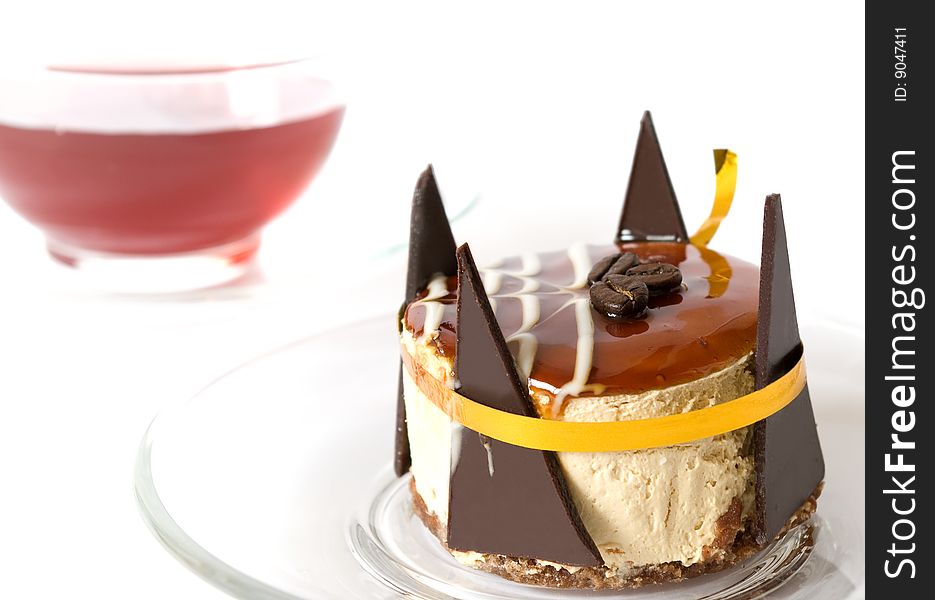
(132, 193)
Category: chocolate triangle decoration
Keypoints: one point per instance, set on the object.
(650, 210)
(431, 252)
(431, 244)
(504, 499)
(789, 463)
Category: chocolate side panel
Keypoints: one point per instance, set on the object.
(504, 499)
(787, 451)
(431, 251)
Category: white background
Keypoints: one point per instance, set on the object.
(533, 109)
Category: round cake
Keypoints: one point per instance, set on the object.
(652, 513)
(657, 330)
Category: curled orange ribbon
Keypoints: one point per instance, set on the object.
(725, 168)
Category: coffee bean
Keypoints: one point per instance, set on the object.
(660, 278)
(615, 264)
(619, 296)
(625, 262)
(600, 268)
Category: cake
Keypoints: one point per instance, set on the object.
(649, 326)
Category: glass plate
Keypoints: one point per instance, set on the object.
(273, 483)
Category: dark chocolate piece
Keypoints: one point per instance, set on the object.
(431, 251)
(402, 457)
(650, 210)
(789, 463)
(431, 243)
(504, 499)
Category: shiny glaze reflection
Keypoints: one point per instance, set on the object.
(710, 324)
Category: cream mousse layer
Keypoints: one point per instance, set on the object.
(679, 503)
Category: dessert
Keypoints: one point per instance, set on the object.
(650, 326)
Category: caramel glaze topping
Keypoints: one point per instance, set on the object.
(683, 336)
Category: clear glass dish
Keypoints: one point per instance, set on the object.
(273, 483)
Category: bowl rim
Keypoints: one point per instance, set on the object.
(152, 71)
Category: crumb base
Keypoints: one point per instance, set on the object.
(528, 571)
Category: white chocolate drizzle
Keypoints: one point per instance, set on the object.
(531, 265)
(523, 343)
(531, 309)
(492, 281)
(438, 288)
(581, 262)
(584, 354)
(456, 432)
(434, 311)
(489, 450)
(526, 345)
(529, 285)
